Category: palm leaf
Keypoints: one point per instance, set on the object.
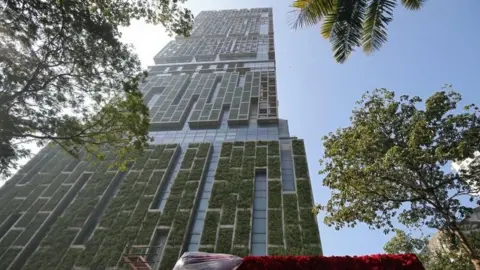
(310, 12)
(329, 21)
(413, 4)
(378, 16)
(347, 29)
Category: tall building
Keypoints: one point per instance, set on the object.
(223, 174)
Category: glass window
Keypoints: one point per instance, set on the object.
(260, 214)
(259, 238)
(258, 249)
(203, 204)
(200, 216)
(193, 247)
(197, 227)
(260, 193)
(260, 204)
(288, 186)
(260, 225)
(195, 239)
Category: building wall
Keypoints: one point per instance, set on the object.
(222, 175)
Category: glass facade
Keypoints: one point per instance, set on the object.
(223, 173)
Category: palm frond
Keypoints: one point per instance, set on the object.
(347, 29)
(378, 15)
(329, 21)
(413, 4)
(310, 12)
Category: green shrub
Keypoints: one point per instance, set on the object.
(209, 234)
(145, 176)
(273, 148)
(261, 157)
(203, 150)
(10, 237)
(290, 208)
(249, 149)
(261, 143)
(219, 193)
(188, 158)
(277, 251)
(199, 164)
(165, 158)
(177, 232)
(224, 243)
(150, 164)
(292, 238)
(275, 227)
(69, 259)
(273, 168)
(248, 168)
(170, 257)
(228, 210)
(171, 146)
(223, 169)
(195, 175)
(274, 194)
(237, 156)
(154, 183)
(301, 168)
(157, 151)
(189, 195)
(242, 229)
(298, 148)
(226, 150)
(245, 190)
(240, 251)
(312, 251)
(207, 249)
(305, 189)
(309, 226)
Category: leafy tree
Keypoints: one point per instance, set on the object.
(350, 23)
(66, 77)
(389, 165)
(443, 254)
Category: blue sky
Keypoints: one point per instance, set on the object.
(425, 50)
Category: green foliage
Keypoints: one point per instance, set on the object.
(203, 150)
(248, 168)
(350, 24)
(292, 235)
(261, 143)
(273, 148)
(309, 226)
(240, 251)
(226, 150)
(298, 148)
(165, 158)
(249, 149)
(188, 158)
(223, 169)
(245, 189)
(170, 257)
(274, 194)
(228, 210)
(224, 243)
(261, 157)
(275, 227)
(290, 208)
(304, 188)
(150, 165)
(210, 229)
(157, 151)
(273, 168)
(179, 228)
(154, 183)
(237, 156)
(189, 195)
(301, 168)
(242, 229)
(276, 251)
(390, 163)
(219, 192)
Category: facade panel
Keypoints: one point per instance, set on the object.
(222, 175)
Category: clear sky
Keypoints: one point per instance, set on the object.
(425, 50)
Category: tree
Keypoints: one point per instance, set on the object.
(65, 76)
(350, 23)
(389, 165)
(445, 255)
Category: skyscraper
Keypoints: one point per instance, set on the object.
(223, 173)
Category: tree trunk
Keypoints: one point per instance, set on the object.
(465, 245)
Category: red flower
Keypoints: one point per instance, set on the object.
(372, 262)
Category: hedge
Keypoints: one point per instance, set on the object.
(301, 169)
(209, 234)
(305, 189)
(273, 168)
(378, 262)
(224, 243)
(298, 148)
(275, 227)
